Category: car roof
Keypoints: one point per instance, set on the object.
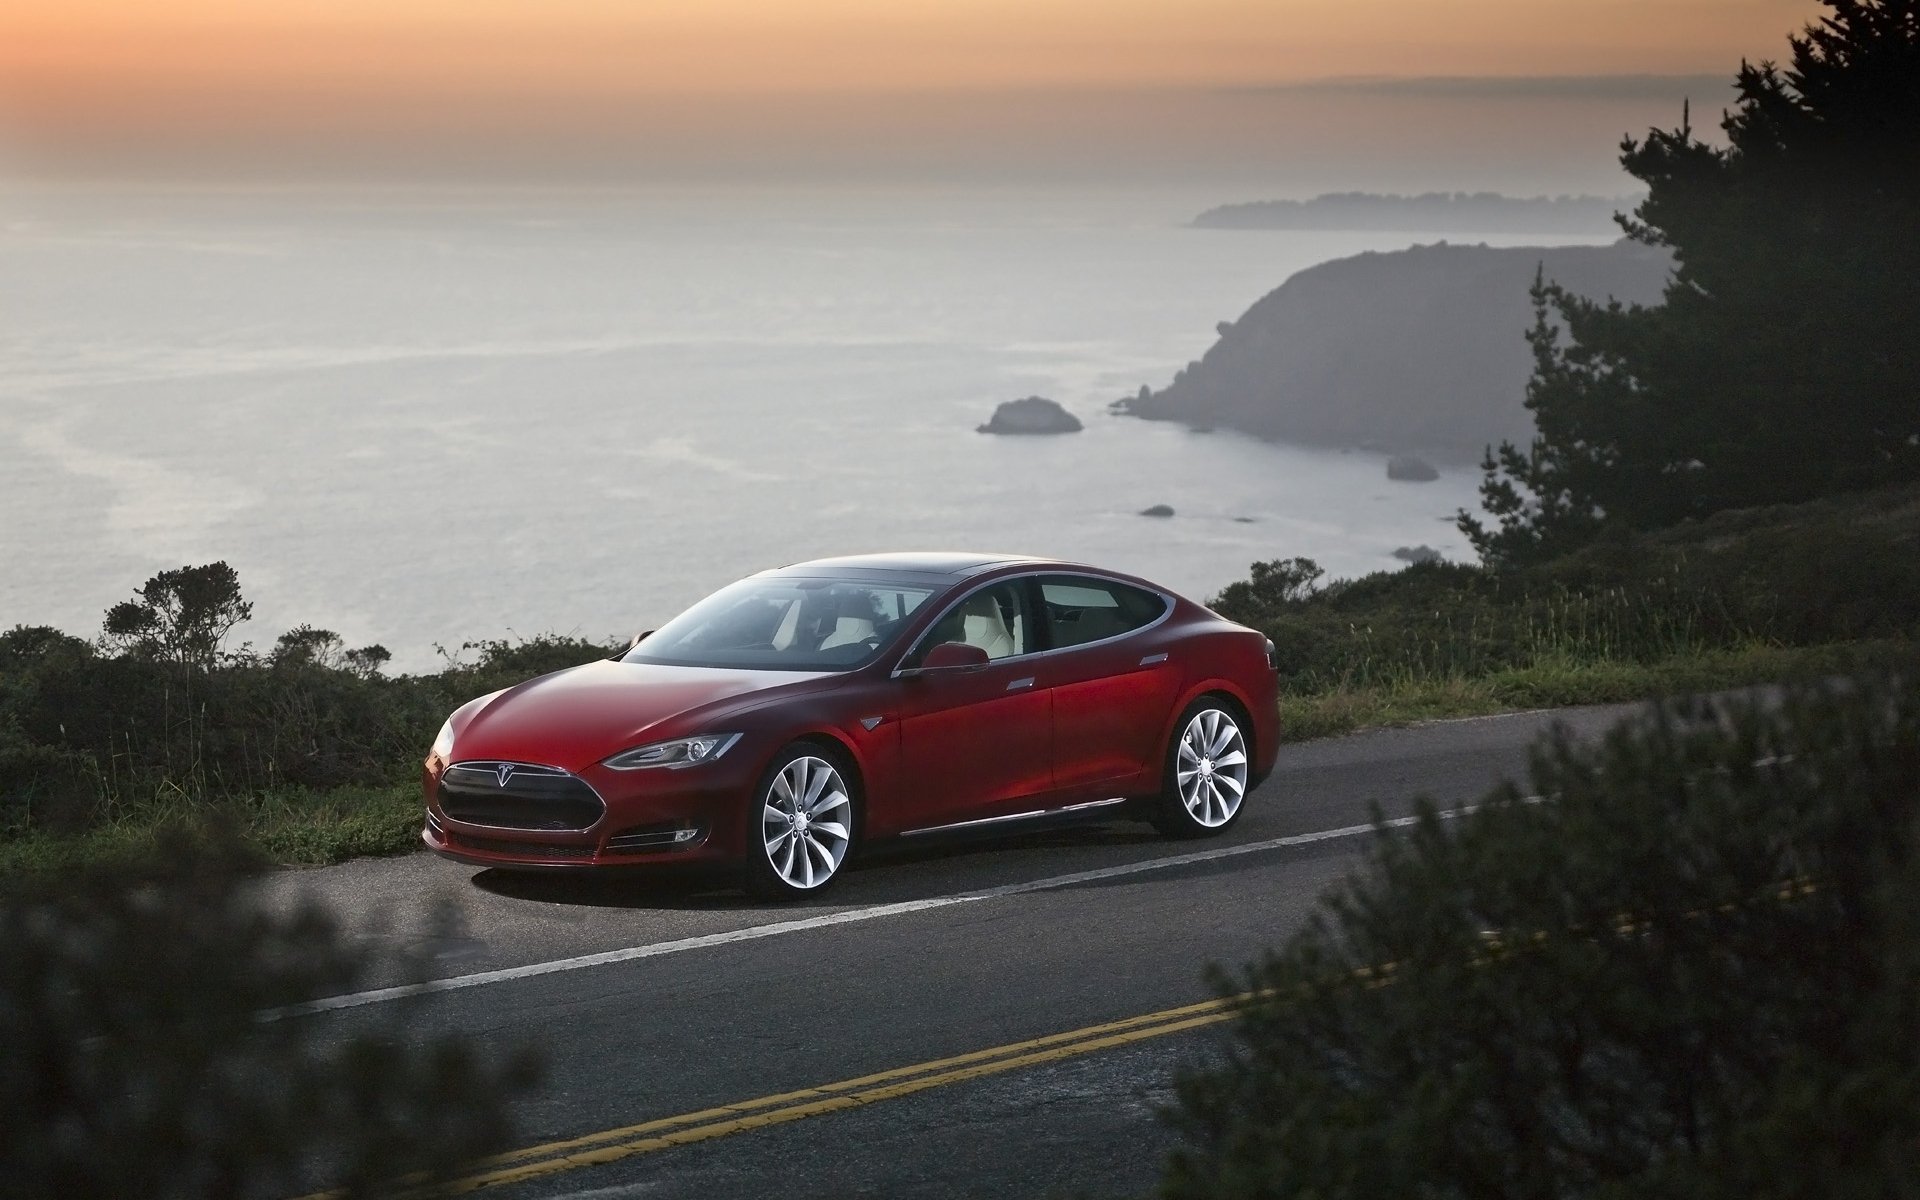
(942, 564)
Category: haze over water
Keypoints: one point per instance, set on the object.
(425, 417)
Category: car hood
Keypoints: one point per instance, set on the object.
(574, 718)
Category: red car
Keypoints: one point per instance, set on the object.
(801, 712)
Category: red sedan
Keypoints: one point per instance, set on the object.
(801, 712)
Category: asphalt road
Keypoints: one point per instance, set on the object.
(700, 1000)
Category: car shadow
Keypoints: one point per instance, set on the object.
(660, 888)
(874, 877)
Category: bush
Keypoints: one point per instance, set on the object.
(1694, 971)
(136, 1061)
(86, 736)
(1835, 571)
(47, 788)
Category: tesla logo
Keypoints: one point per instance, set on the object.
(505, 772)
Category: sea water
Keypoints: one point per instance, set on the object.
(426, 417)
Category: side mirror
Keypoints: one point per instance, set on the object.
(642, 636)
(951, 658)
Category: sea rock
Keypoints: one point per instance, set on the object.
(1035, 414)
(1411, 468)
(1157, 510)
(1422, 553)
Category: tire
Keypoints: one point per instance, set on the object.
(1204, 787)
(800, 824)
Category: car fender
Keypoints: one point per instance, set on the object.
(1259, 735)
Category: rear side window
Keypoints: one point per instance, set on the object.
(1082, 610)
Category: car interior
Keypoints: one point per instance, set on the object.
(991, 619)
(1079, 613)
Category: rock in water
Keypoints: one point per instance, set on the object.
(1035, 414)
(1158, 510)
(1409, 468)
(1422, 553)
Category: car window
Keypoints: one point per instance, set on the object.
(995, 618)
(784, 624)
(1082, 610)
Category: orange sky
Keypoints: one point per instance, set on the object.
(74, 71)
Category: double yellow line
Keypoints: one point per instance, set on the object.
(665, 1133)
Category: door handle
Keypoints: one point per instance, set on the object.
(1017, 684)
(1151, 659)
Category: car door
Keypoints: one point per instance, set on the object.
(976, 743)
(1112, 682)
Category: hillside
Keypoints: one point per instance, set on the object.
(1416, 350)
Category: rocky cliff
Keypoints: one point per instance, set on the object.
(1418, 350)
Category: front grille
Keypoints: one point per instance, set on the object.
(518, 849)
(518, 796)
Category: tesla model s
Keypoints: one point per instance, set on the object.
(794, 716)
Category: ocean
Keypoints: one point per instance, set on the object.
(419, 418)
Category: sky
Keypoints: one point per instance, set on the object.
(842, 87)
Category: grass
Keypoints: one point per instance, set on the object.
(294, 827)
(1561, 683)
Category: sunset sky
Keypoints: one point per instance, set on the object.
(711, 81)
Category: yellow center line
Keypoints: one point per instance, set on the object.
(848, 1085)
(612, 1145)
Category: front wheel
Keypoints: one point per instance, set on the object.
(1205, 781)
(800, 824)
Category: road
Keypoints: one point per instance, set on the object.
(1061, 970)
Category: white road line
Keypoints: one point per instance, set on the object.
(825, 921)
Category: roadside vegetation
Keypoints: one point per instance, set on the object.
(137, 1062)
(1694, 972)
(1741, 597)
(306, 750)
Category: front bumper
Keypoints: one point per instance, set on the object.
(646, 818)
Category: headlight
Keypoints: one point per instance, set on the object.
(443, 741)
(681, 752)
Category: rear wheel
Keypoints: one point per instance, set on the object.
(799, 823)
(1207, 772)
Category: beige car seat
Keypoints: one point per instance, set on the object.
(986, 628)
(846, 630)
(789, 626)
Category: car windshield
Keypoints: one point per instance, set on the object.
(784, 624)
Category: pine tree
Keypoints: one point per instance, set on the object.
(1784, 361)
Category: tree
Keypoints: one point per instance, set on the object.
(1269, 587)
(1693, 971)
(1784, 362)
(304, 645)
(141, 1057)
(181, 616)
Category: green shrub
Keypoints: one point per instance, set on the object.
(136, 1061)
(1694, 971)
(1835, 571)
(86, 737)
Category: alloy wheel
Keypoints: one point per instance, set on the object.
(806, 822)
(1211, 770)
